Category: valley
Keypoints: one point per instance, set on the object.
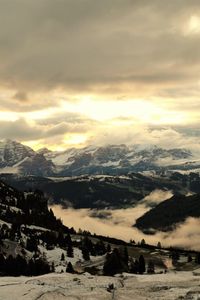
(98, 191)
(71, 233)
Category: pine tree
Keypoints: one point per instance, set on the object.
(32, 244)
(69, 268)
(85, 253)
(70, 251)
(87, 247)
(10, 265)
(134, 268)
(132, 241)
(125, 255)
(150, 267)
(52, 267)
(108, 249)
(20, 265)
(2, 264)
(68, 239)
(100, 248)
(32, 268)
(62, 257)
(175, 257)
(197, 259)
(189, 258)
(141, 264)
(61, 239)
(159, 245)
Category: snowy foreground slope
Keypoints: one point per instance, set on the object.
(180, 285)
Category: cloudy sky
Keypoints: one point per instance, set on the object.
(77, 72)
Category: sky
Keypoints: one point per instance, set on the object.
(80, 72)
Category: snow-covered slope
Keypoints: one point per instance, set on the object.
(170, 286)
(12, 152)
(116, 159)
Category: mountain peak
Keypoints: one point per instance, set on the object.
(108, 159)
(21, 158)
(43, 150)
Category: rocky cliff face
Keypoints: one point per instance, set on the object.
(16, 157)
(12, 152)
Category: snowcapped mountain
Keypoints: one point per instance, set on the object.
(18, 158)
(117, 159)
(111, 159)
(12, 152)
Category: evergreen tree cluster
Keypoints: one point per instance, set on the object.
(140, 266)
(16, 266)
(197, 258)
(174, 255)
(90, 248)
(31, 208)
(116, 262)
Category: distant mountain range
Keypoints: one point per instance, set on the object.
(97, 178)
(111, 159)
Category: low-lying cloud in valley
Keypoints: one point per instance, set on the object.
(119, 223)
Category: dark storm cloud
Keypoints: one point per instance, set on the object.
(18, 130)
(84, 44)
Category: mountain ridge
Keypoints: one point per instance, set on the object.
(169, 213)
(97, 191)
(110, 159)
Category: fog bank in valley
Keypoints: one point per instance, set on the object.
(119, 223)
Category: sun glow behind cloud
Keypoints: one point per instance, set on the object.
(85, 71)
(8, 115)
(75, 140)
(193, 25)
(90, 116)
(140, 111)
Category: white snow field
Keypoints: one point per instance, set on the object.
(173, 286)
